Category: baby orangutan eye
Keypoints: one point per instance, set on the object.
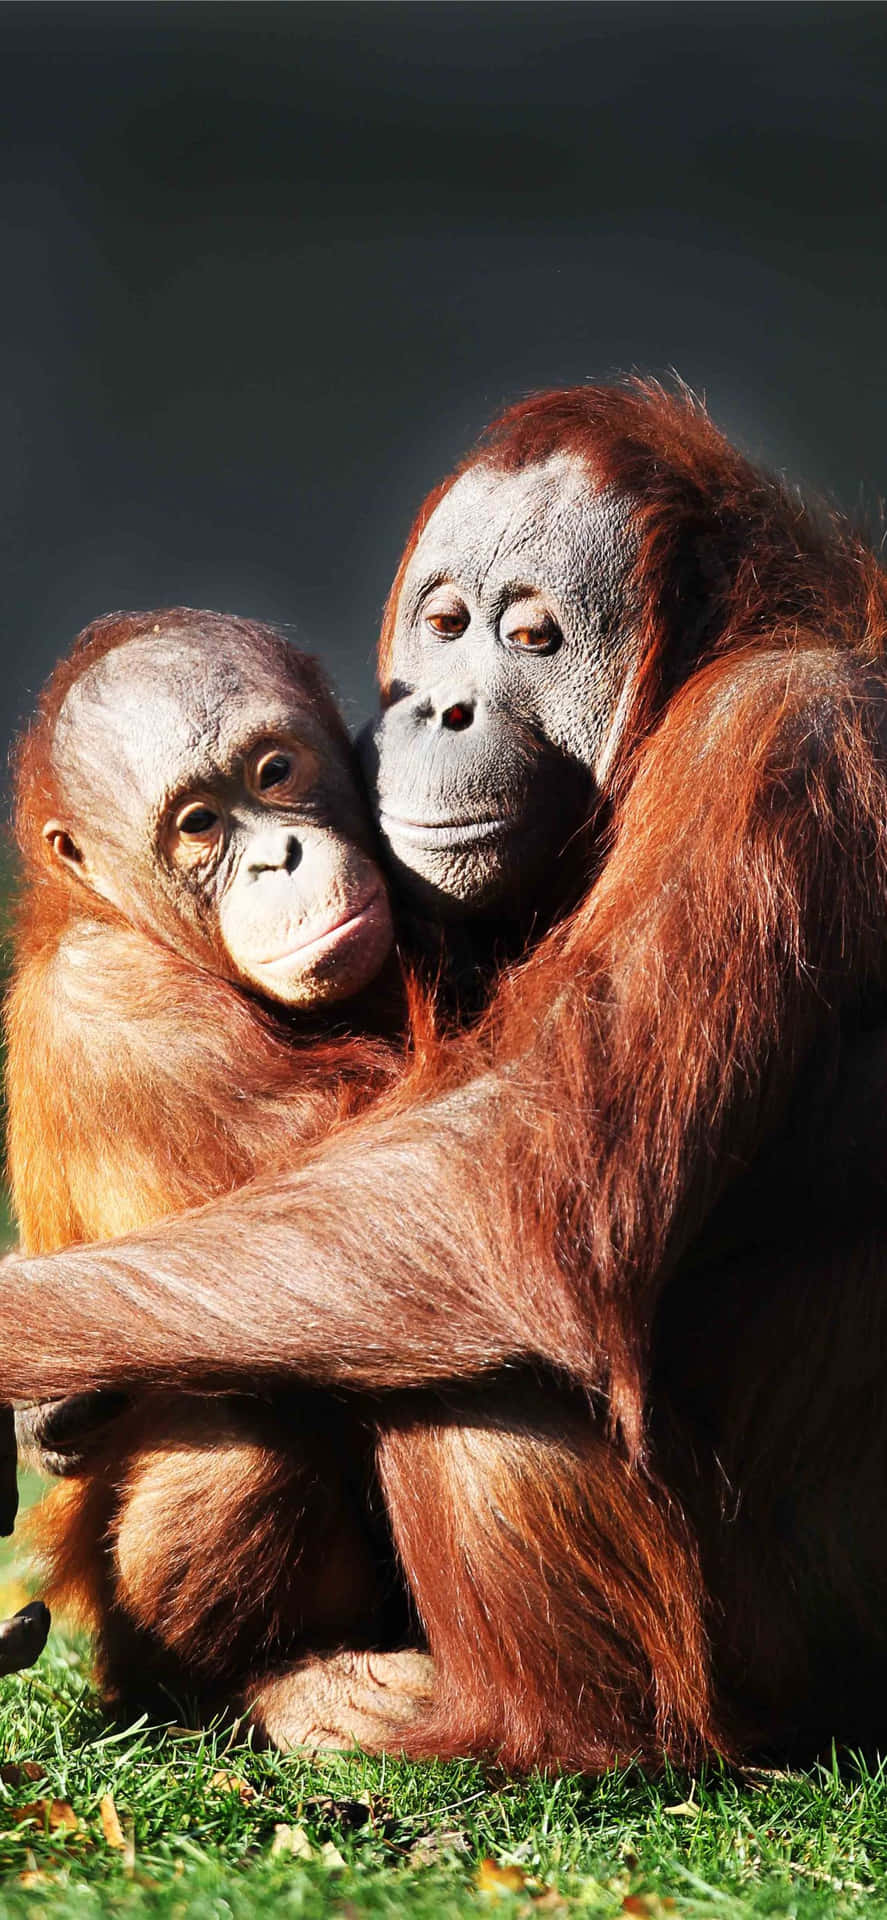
(272, 770)
(282, 773)
(198, 826)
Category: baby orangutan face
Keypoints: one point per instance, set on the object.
(206, 791)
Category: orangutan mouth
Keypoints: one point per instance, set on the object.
(440, 833)
(332, 936)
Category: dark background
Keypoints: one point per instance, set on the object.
(267, 269)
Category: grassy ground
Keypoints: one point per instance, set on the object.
(170, 1822)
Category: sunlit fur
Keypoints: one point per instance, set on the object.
(685, 1565)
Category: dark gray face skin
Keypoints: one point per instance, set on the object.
(203, 797)
(512, 667)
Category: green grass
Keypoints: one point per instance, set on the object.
(386, 1838)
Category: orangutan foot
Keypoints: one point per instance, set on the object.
(345, 1700)
(58, 1437)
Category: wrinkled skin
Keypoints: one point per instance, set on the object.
(512, 662)
(219, 811)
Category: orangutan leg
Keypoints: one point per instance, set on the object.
(224, 1534)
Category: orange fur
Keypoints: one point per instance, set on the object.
(604, 1179)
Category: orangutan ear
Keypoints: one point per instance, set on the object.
(62, 849)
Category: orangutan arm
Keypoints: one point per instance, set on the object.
(640, 1057)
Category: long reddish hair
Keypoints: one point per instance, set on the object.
(723, 549)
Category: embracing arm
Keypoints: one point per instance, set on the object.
(371, 1266)
(640, 1057)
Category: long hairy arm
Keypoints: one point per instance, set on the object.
(368, 1267)
(531, 1204)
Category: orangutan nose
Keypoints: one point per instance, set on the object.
(443, 710)
(274, 852)
(458, 716)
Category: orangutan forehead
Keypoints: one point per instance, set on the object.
(546, 525)
(160, 711)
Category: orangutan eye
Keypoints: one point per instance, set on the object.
(281, 775)
(446, 614)
(531, 639)
(272, 770)
(529, 627)
(196, 821)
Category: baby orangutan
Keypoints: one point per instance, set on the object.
(201, 896)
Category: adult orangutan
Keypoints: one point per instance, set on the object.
(608, 627)
(201, 897)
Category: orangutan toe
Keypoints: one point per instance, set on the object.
(347, 1699)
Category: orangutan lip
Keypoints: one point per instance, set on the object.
(330, 937)
(439, 833)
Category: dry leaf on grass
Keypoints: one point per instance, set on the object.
(111, 1827)
(292, 1840)
(429, 1848)
(14, 1773)
(50, 1813)
(652, 1906)
(491, 1878)
(759, 1779)
(222, 1782)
